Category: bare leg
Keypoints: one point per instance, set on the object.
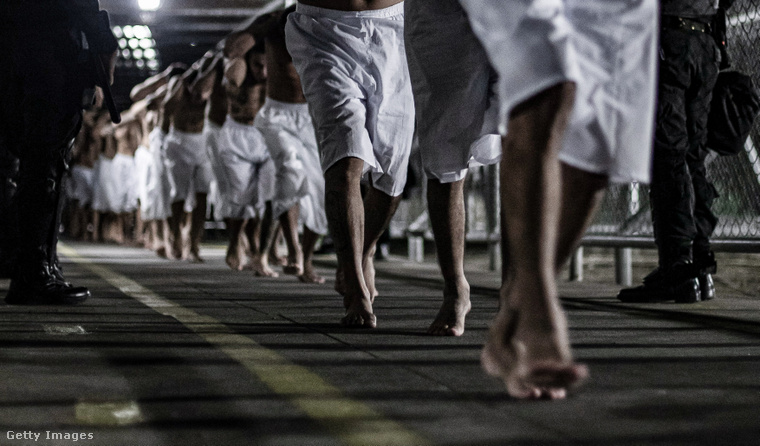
(140, 237)
(345, 217)
(268, 232)
(97, 226)
(234, 257)
(309, 274)
(582, 193)
(163, 248)
(528, 345)
(197, 228)
(252, 236)
(175, 230)
(379, 208)
(274, 256)
(447, 217)
(289, 224)
(76, 229)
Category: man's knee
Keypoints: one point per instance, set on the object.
(343, 172)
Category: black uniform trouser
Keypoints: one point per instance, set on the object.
(40, 113)
(8, 209)
(681, 194)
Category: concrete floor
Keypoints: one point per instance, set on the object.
(169, 353)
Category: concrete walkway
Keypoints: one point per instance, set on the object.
(171, 353)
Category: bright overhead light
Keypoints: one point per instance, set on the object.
(128, 32)
(134, 43)
(146, 43)
(139, 31)
(149, 5)
(117, 31)
(150, 53)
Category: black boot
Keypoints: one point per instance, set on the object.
(38, 279)
(8, 213)
(37, 285)
(675, 283)
(706, 266)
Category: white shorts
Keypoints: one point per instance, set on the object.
(355, 77)
(222, 207)
(114, 183)
(79, 185)
(160, 186)
(248, 168)
(607, 47)
(144, 171)
(289, 135)
(455, 96)
(188, 164)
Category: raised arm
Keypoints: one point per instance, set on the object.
(239, 42)
(203, 84)
(153, 83)
(155, 100)
(174, 91)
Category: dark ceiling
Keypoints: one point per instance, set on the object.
(182, 29)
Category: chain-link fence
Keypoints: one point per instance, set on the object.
(624, 219)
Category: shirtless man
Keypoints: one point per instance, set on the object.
(107, 192)
(576, 92)
(350, 56)
(157, 209)
(79, 187)
(457, 113)
(289, 133)
(185, 149)
(128, 135)
(247, 166)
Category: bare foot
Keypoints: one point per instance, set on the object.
(294, 265)
(194, 256)
(176, 251)
(450, 318)
(277, 260)
(310, 276)
(261, 268)
(530, 357)
(234, 258)
(359, 313)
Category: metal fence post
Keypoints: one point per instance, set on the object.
(623, 266)
(576, 266)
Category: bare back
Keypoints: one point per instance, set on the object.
(283, 83)
(189, 113)
(351, 5)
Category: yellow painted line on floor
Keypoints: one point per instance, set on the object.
(352, 421)
(108, 413)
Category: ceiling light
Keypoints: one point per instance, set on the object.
(149, 5)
